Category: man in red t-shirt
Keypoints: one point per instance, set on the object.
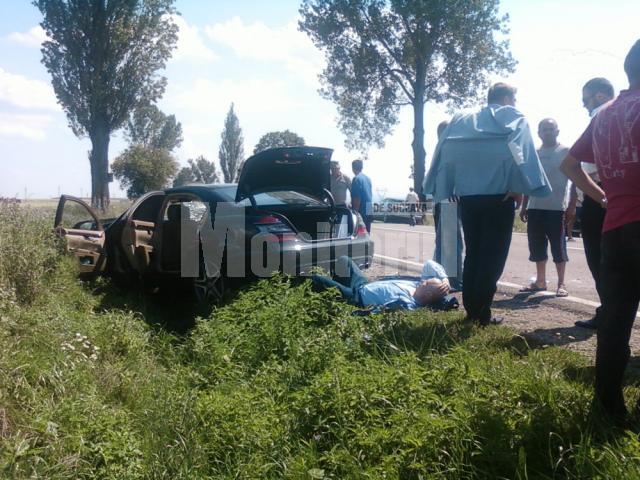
(612, 142)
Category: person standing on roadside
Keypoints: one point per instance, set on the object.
(361, 194)
(544, 216)
(340, 184)
(595, 94)
(612, 142)
(487, 159)
(412, 201)
(452, 224)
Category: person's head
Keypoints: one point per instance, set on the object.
(502, 94)
(632, 65)
(431, 290)
(548, 132)
(335, 168)
(441, 127)
(596, 92)
(410, 189)
(356, 166)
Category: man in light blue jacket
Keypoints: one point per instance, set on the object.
(488, 159)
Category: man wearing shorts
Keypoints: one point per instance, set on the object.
(545, 215)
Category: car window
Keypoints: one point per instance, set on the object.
(285, 197)
(195, 209)
(148, 210)
(76, 216)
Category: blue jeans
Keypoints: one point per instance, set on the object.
(348, 280)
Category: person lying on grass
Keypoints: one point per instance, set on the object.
(431, 290)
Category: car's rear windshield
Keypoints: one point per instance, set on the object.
(285, 197)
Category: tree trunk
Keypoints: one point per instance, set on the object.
(100, 168)
(417, 145)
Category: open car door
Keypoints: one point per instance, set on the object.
(80, 227)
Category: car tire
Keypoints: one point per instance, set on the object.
(209, 289)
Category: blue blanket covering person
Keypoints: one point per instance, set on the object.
(431, 290)
(485, 153)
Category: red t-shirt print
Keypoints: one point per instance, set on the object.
(612, 142)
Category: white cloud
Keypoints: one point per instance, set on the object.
(20, 91)
(31, 127)
(257, 41)
(32, 38)
(251, 96)
(190, 45)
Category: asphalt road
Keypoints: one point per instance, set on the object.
(416, 244)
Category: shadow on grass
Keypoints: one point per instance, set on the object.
(432, 334)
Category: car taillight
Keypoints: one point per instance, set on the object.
(267, 220)
(275, 228)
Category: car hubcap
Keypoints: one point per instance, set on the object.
(209, 289)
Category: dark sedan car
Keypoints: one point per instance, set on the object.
(280, 216)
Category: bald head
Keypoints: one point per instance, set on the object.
(548, 132)
(632, 65)
(431, 290)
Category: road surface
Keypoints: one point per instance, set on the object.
(416, 244)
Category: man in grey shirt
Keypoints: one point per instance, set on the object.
(545, 215)
(340, 183)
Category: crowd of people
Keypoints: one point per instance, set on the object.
(486, 167)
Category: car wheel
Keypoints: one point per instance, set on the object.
(209, 288)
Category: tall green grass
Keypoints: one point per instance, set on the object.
(281, 382)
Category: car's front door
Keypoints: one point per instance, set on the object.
(82, 231)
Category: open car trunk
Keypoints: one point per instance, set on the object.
(317, 223)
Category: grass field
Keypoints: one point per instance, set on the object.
(279, 382)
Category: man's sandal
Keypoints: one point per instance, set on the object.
(531, 288)
(561, 292)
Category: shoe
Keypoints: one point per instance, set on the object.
(562, 292)
(491, 321)
(532, 287)
(591, 324)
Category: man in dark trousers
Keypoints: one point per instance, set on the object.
(487, 159)
(595, 94)
(612, 142)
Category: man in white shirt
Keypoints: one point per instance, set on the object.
(545, 215)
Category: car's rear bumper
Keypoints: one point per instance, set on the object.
(299, 258)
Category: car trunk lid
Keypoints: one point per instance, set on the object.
(303, 169)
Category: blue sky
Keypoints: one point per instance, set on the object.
(250, 53)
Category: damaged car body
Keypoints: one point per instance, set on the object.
(280, 216)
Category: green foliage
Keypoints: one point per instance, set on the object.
(103, 58)
(281, 382)
(28, 253)
(150, 127)
(284, 138)
(140, 169)
(231, 152)
(199, 170)
(385, 54)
